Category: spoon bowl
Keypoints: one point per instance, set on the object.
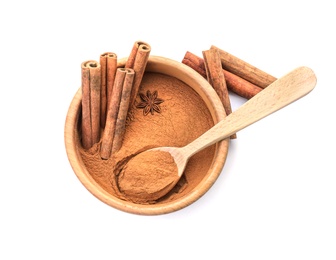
(277, 95)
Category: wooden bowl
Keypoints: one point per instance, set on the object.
(212, 102)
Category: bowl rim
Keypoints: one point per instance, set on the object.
(191, 78)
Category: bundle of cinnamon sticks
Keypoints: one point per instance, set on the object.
(225, 72)
(108, 94)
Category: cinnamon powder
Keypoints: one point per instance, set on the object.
(183, 117)
(147, 176)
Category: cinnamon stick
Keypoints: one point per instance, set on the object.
(243, 69)
(137, 61)
(123, 110)
(91, 84)
(195, 62)
(215, 76)
(108, 63)
(86, 113)
(234, 83)
(240, 86)
(131, 58)
(112, 112)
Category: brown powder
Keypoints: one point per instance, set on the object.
(147, 176)
(184, 117)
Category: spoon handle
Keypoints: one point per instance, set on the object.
(277, 95)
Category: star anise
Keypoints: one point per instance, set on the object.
(150, 102)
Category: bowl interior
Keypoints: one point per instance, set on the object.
(199, 109)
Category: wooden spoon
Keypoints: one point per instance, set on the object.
(143, 185)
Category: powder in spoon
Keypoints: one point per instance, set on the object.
(148, 176)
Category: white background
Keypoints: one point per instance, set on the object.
(275, 198)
